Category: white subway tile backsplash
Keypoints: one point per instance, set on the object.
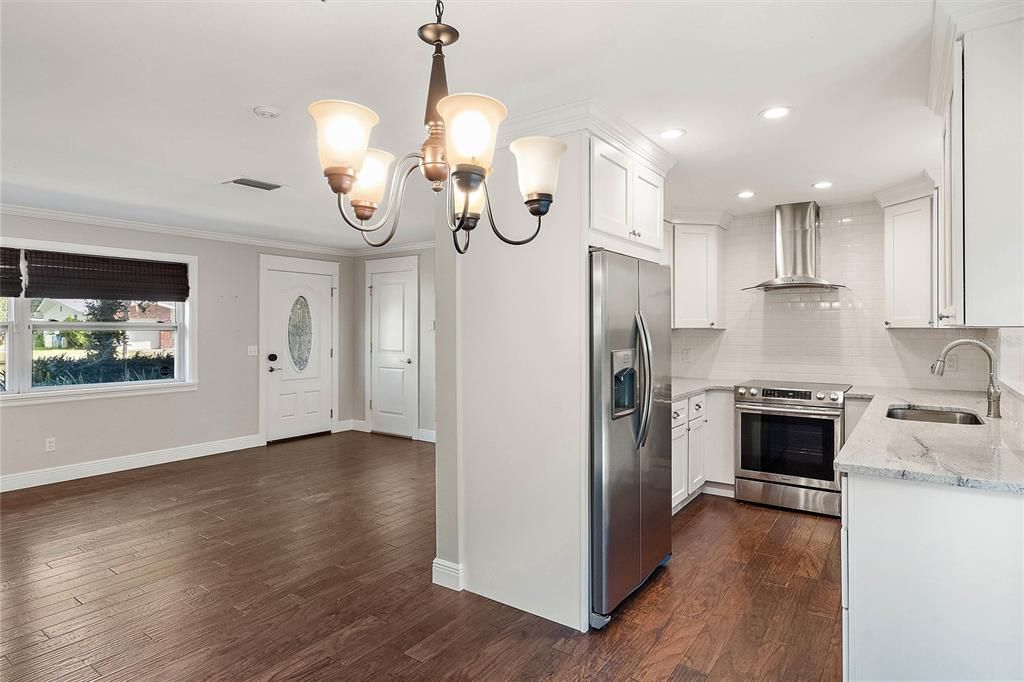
(820, 335)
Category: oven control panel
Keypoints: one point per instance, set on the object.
(786, 393)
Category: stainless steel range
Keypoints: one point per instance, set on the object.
(787, 436)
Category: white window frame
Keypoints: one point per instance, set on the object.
(20, 327)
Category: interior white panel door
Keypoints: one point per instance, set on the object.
(394, 352)
(297, 320)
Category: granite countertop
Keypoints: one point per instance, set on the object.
(988, 456)
(683, 388)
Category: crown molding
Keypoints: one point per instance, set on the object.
(700, 216)
(973, 15)
(922, 186)
(940, 70)
(586, 116)
(193, 233)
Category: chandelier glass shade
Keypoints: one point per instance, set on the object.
(456, 157)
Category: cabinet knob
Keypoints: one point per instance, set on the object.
(712, 324)
(887, 323)
(675, 414)
(943, 316)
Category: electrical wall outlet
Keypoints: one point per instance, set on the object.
(253, 350)
(687, 355)
(952, 362)
(50, 444)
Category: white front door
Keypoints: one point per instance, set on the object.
(393, 345)
(297, 320)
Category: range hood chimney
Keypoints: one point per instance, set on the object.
(797, 253)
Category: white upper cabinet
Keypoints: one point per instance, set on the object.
(980, 233)
(648, 206)
(626, 202)
(909, 272)
(697, 291)
(992, 172)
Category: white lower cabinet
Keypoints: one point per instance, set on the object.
(695, 448)
(720, 453)
(932, 578)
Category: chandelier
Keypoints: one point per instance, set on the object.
(455, 158)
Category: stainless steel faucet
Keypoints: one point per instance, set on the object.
(939, 366)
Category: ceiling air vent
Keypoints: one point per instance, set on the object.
(255, 184)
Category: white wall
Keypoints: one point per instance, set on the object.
(523, 427)
(820, 336)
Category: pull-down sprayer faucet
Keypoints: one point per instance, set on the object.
(939, 366)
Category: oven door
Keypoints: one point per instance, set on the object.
(788, 444)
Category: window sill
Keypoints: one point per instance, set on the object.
(63, 395)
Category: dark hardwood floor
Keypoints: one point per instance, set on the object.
(311, 560)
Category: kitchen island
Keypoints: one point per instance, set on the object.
(933, 541)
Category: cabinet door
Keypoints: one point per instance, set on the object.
(680, 480)
(695, 455)
(695, 277)
(648, 206)
(611, 180)
(908, 264)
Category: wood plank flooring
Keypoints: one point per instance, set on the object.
(310, 559)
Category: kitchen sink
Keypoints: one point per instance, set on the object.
(938, 415)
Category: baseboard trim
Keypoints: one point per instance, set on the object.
(719, 489)
(341, 425)
(447, 574)
(679, 500)
(426, 436)
(98, 467)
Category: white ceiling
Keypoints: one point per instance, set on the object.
(139, 110)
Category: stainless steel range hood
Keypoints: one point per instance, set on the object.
(797, 254)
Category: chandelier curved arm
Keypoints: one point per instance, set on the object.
(398, 215)
(490, 219)
(455, 239)
(449, 212)
(395, 197)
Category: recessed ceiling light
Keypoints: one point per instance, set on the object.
(824, 184)
(264, 111)
(672, 133)
(775, 112)
(745, 194)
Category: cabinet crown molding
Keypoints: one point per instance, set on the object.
(700, 216)
(586, 116)
(922, 186)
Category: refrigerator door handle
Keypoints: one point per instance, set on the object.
(646, 357)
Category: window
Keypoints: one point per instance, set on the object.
(74, 322)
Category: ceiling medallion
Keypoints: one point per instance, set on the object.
(461, 133)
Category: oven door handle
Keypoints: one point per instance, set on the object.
(795, 411)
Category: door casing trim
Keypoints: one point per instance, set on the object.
(373, 267)
(310, 266)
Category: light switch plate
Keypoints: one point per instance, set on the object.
(253, 350)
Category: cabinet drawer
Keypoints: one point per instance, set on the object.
(697, 406)
(680, 412)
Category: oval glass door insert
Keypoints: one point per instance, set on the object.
(300, 333)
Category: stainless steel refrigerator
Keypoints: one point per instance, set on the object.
(631, 429)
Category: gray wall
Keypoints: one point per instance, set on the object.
(226, 402)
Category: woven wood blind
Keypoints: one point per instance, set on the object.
(53, 274)
(10, 272)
